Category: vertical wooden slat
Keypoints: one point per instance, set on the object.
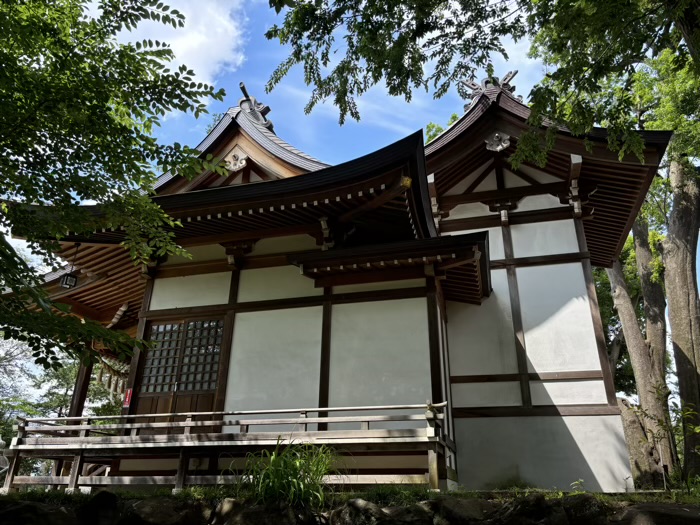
(516, 313)
(598, 328)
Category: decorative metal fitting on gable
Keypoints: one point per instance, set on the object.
(236, 160)
(497, 141)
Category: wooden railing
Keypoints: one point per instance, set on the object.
(93, 438)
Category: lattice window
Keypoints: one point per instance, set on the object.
(184, 356)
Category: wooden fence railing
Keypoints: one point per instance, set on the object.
(92, 439)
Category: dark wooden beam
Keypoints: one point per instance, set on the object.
(539, 260)
(582, 375)
(363, 277)
(313, 229)
(536, 411)
(525, 217)
(554, 188)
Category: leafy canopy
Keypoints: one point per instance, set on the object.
(347, 46)
(78, 109)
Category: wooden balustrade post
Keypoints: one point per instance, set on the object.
(302, 415)
(75, 471)
(188, 429)
(182, 466)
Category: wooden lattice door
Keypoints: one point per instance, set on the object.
(181, 367)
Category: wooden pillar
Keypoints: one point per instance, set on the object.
(436, 376)
(325, 366)
(598, 327)
(82, 383)
(136, 359)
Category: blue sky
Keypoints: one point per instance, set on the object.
(224, 42)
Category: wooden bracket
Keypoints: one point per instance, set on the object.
(237, 250)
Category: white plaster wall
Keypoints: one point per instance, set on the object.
(209, 252)
(461, 186)
(540, 202)
(481, 337)
(281, 282)
(473, 209)
(544, 238)
(539, 175)
(502, 393)
(379, 353)
(275, 361)
(385, 285)
(545, 452)
(191, 290)
(568, 392)
(513, 181)
(288, 244)
(495, 241)
(557, 318)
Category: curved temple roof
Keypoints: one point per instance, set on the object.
(610, 191)
(251, 116)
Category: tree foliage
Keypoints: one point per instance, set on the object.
(433, 130)
(347, 46)
(79, 107)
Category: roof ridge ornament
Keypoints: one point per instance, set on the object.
(254, 110)
(491, 82)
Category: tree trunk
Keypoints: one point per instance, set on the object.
(651, 388)
(687, 19)
(644, 459)
(679, 255)
(655, 329)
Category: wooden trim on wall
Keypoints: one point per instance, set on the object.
(583, 375)
(325, 365)
(536, 411)
(434, 341)
(519, 333)
(595, 315)
(192, 268)
(539, 260)
(492, 221)
(279, 304)
(365, 277)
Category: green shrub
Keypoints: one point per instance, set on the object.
(292, 474)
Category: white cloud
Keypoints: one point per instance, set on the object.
(212, 41)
